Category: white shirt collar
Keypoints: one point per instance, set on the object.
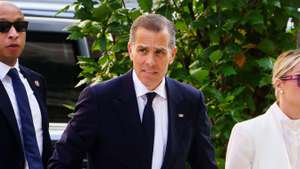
(141, 89)
(284, 120)
(4, 68)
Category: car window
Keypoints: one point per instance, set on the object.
(54, 57)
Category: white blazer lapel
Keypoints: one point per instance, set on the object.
(272, 149)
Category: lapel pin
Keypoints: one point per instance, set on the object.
(180, 115)
(37, 83)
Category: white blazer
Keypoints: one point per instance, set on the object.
(257, 144)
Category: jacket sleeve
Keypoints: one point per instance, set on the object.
(79, 136)
(202, 153)
(240, 150)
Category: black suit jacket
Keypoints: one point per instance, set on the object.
(107, 127)
(11, 151)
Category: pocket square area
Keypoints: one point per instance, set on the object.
(180, 115)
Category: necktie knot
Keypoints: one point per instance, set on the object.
(13, 73)
(150, 97)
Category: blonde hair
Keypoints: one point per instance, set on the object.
(285, 63)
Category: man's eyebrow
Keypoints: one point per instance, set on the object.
(161, 49)
(141, 45)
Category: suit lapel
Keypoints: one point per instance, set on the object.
(7, 109)
(174, 99)
(34, 85)
(126, 107)
(275, 145)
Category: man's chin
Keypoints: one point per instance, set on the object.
(10, 60)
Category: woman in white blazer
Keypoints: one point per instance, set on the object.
(272, 140)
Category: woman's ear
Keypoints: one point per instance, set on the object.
(278, 83)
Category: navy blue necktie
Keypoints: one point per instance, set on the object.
(149, 126)
(30, 145)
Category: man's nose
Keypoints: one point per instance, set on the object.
(13, 33)
(150, 59)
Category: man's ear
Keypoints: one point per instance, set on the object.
(173, 55)
(129, 49)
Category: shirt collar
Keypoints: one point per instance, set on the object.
(284, 120)
(4, 68)
(141, 89)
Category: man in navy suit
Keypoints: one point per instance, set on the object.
(25, 141)
(143, 119)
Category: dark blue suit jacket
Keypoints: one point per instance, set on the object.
(107, 127)
(11, 151)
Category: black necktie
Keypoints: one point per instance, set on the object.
(30, 145)
(148, 126)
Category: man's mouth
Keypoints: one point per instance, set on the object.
(148, 71)
(13, 45)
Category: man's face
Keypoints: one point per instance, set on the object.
(151, 56)
(11, 42)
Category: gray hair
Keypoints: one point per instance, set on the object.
(156, 23)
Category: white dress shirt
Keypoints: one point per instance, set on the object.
(34, 106)
(160, 107)
(290, 130)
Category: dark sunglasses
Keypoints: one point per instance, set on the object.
(291, 77)
(20, 26)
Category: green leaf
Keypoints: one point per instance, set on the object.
(116, 4)
(75, 35)
(102, 12)
(199, 74)
(96, 45)
(229, 98)
(228, 70)
(277, 4)
(238, 91)
(215, 56)
(230, 22)
(216, 94)
(103, 43)
(250, 103)
(198, 24)
(145, 5)
(265, 80)
(195, 64)
(81, 82)
(64, 9)
(180, 25)
(267, 46)
(265, 63)
(255, 18)
(232, 49)
(70, 106)
(214, 36)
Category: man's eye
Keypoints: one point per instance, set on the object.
(159, 52)
(142, 50)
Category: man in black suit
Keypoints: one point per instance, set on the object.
(25, 141)
(143, 119)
